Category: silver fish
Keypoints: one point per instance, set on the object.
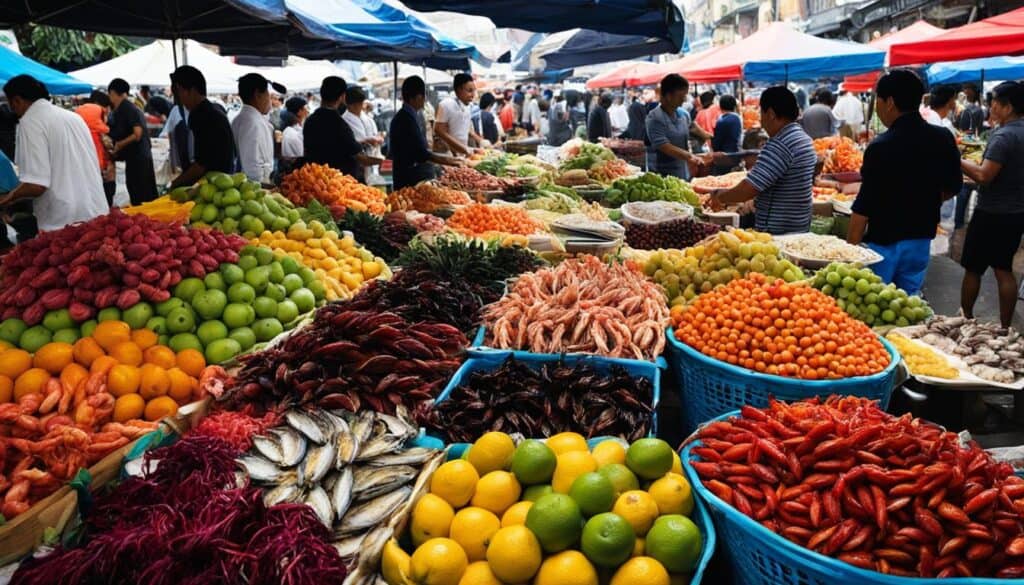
(374, 511)
(293, 445)
(371, 482)
(310, 426)
(348, 448)
(336, 421)
(341, 492)
(319, 460)
(381, 445)
(362, 426)
(269, 448)
(371, 548)
(286, 492)
(349, 546)
(261, 470)
(318, 499)
(397, 426)
(414, 456)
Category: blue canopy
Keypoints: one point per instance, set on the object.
(577, 48)
(988, 69)
(56, 83)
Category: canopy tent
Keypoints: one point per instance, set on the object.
(300, 74)
(380, 79)
(56, 83)
(993, 37)
(576, 47)
(678, 66)
(918, 31)
(622, 75)
(778, 52)
(989, 69)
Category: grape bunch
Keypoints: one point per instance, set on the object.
(861, 293)
(677, 233)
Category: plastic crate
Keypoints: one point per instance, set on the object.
(710, 388)
(761, 557)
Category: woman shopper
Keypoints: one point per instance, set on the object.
(995, 230)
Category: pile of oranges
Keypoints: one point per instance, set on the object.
(779, 328)
(333, 189)
(478, 219)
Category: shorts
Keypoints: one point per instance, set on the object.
(905, 263)
(992, 239)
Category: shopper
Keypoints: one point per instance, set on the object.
(489, 127)
(507, 114)
(328, 139)
(780, 182)
(454, 126)
(291, 139)
(619, 116)
(850, 111)
(95, 112)
(531, 112)
(896, 212)
(407, 142)
(637, 112)
(213, 145)
(669, 130)
(355, 101)
(709, 112)
(559, 121)
(56, 159)
(818, 120)
(972, 119)
(941, 103)
(599, 124)
(252, 130)
(131, 143)
(994, 233)
(728, 133)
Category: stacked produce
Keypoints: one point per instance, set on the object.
(232, 204)
(540, 402)
(824, 248)
(861, 293)
(425, 223)
(493, 518)
(473, 181)
(494, 164)
(733, 254)
(989, 351)
(426, 198)
(385, 237)
(782, 329)
(580, 155)
(751, 117)
(607, 171)
(582, 305)
(890, 494)
(651, 187)
(840, 153)
(479, 219)
(163, 209)
(113, 260)
(333, 189)
(677, 233)
(922, 360)
(553, 198)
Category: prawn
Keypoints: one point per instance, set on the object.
(52, 392)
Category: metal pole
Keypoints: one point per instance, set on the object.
(394, 94)
(174, 51)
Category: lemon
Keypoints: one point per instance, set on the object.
(677, 464)
(566, 442)
(566, 568)
(638, 508)
(497, 491)
(516, 515)
(571, 465)
(394, 564)
(610, 451)
(514, 554)
(641, 571)
(649, 458)
(439, 561)
(492, 452)
(455, 482)
(672, 494)
(473, 528)
(431, 518)
(479, 573)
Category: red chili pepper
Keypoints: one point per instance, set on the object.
(980, 501)
(721, 490)
(952, 513)
(821, 537)
(861, 537)
(859, 559)
(737, 452)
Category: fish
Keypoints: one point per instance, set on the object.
(285, 492)
(372, 547)
(414, 456)
(362, 427)
(338, 423)
(269, 448)
(375, 511)
(371, 482)
(293, 445)
(349, 546)
(380, 445)
(319, 460)
(341, 492)
(318, 499)
(348, 448)
(311, 426)
(261, 470)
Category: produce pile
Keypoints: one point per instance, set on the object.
(713, 183)
(607, 171)
(860, 292)
(751, 117)
(922, 360)
(384, 236)
(890, 494)
(232, 204)
(782, 329)
(582, 305)
(331, 188)
(473, 181)
(989, 351)
(655, 211)
(426, 198)
(840, 153)
(676, 233)
(651, 187)
(581, 155)
(480, 219)
(492, 518)
(826, 248)
(164, 209)
(558, 201)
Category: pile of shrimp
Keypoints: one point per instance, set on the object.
(582, 305)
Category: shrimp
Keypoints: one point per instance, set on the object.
(16, 500)
(52, 393)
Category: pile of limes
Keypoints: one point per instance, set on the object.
(554, 512)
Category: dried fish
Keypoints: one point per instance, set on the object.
(371, 482)
(341, 492)
(269, 448)
(374, 511)
(317, 499)
(293, 445)
(414, 456)
(319, 460)
(283, 493)
(312, 427)
(261, 470)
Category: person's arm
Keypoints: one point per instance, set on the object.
(699, 133)
(997, 153)
(744, 191)
(189, 176)
(858, 225)
(132, 138)
(441, 131)
(22, 191)
(658, 135)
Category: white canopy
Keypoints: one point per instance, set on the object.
(300, 74)
(381, 77)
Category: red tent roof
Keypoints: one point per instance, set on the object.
(919, 31)
(679, 66)
(623, 75)
(993, 37)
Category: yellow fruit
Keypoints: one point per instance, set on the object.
(160, 407)
(6, 389)
(127, 353)
(163, 356)
(473, 528)
(110, 333)
(123, 379)
(439, 561)
(677, 465)
(73, 375)
(102, 364)
(571, 465)
(86, 350)
(144, 338)
(568, 567)
(638, 547)
(610, 451)
(638, 508)
(191, 361)
(672, 494)
(565, 442)
(53, 357)
(154, 382)
(514, 554)
(394, 564)
(431, 518)
(491, 452)
(641, 571)
(479, 573)
(497, 491)
(5, 345)
(128, 407)
(14, 362)
(181, 386)
(516, 515)
(371, 270)
(31, 381)
(455, 482)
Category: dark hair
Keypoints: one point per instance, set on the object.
(941, 95)
(727, 103)
(295, 104)
(413, 87)
(1010, 93)
(332, 88)
(486, 100)
(250, 85)
(26, 87)
(354, 95)
(188, 77)
(706, 99)
(99, 98)
(461, 79)
(781, 101)
(904, 87)
(119, 85)
(673, 82)
(605, 100)
(825, 97)
(288, 119)
(972, 88)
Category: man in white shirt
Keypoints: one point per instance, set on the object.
(941, 102)
(254, 134)
(291, 139)
(532, 118)
(850, 111)
(619, 116)
(56, 159)
(355, 102)
(454, 125)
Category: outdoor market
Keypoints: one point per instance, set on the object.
(629, 292)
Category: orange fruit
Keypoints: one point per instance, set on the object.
(160, 407)
(14, 362)
(110, 333)
(128, 407)
(154, 382)
(73, 375)
(127, 353)
(5, 345)
(123, 379)
(31, 381)
(86, 350)
(144, 338)
(53, 357)
(160, 355)
(6, 389)
(102, 364)
(181, 385)
(191, 361)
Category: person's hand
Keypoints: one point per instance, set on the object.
(486, 144)
(713, 203)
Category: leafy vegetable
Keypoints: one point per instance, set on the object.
(385, 237)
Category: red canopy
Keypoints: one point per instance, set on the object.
(1001, 35)
(622, 75)
(919, 31)
(679, 66)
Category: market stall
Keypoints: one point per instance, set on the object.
(996, 36)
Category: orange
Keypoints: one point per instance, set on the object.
(127, 353)
(53, 357)
(191, 361)
(86, 350)
(155, 382)
(102, 364)
(128, 407)
(31, 381)
(160, 355)
(181, 385)
(14, 362)
(5, 345)
(73, 375)
(110, 333)
(160, 407)
(144, 338)
(123, 379)
(6, 389)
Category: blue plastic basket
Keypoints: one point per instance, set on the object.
(491, 359)
(709, 388)
(760, 557)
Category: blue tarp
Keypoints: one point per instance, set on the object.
(57, 83)
(587, 47)
(989, 69)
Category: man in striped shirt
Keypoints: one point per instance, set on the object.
(780, 183)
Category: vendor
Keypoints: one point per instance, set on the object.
(780, 183)
(454, 125)
(899, 209)
(212, 142)
(995, 229)
(253, 132)
(408, 144)
(328, 139)
(668, 129)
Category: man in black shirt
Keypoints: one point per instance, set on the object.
(599, 125)
(897, 206)
(213, 143)
(328, 139)
(407, 143)
(131, 143)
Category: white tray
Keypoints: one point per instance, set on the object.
(966, 381)
(870, 256)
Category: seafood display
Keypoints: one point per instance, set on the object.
(582, 305)
(989, 351)
(473, 181)
(921, 359)
(426, 197)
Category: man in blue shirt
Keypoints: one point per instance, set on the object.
(668, 130)
(407, 143)
(728, 133)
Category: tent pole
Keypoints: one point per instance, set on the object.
(394, 92)
(174, 51)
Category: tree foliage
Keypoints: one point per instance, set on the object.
(67, 49)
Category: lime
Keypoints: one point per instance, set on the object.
(241, 293)
(180, 320)
(206, 191)
(244, 336)
(593, 492)
(238, 315)
(247, 263)
(215, 281)
(607, 540)
(163, 309)
(291, 282)
(675, 542)
(276, 273)
(222, 350)
(211, 331)
(649, 458)
(533, 462)
(188, 288)
(267, 329)
(138, 315)
(157, 325)
(317, 288)
(257, 278)
(276, 292)
(210, 304)
(265, 307)
(58, 319)
(290, 265)
(231, 197)
(307, 275)
(231, 273)
(182, 341)
(180, 194)
(556, 521)
(34, 337)
(287, 312)
(303, 299)
(210, 212)
(233, 211)
(88, 327)
(534, 492)
(11, 330)
(109, 314)
(264, 255)
(69, 335)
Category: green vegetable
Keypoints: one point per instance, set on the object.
(651, 187)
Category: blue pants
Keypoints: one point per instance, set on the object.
(905, 263)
